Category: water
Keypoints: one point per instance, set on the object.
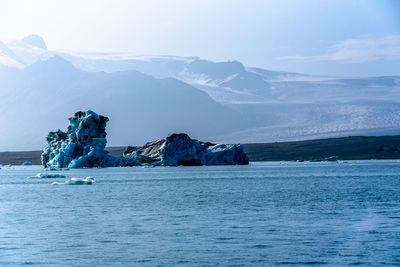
(257, 215)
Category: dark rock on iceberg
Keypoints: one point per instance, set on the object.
(83, 145)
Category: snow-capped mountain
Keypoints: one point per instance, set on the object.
(226, 82)
(39, 98)
(148, 97)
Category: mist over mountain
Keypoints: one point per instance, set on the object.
(148, 97)
(43, 95)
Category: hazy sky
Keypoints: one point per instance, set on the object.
(312, 36)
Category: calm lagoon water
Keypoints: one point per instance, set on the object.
(258, 215)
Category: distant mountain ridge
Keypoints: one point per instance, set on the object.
(37, 99)
(217, 101)
(226, 82)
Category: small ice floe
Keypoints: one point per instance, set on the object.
(148, 166)
(327, 159)
(27, 163)
(77, 181)
(47, 175)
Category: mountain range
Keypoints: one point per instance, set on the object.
(148, 97)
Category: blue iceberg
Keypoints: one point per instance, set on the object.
(84, 143)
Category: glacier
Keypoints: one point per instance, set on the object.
(84, 143)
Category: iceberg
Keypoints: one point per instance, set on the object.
(84, 143)
(181, 150)
(77, 181)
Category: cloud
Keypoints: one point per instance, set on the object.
(357, 50)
